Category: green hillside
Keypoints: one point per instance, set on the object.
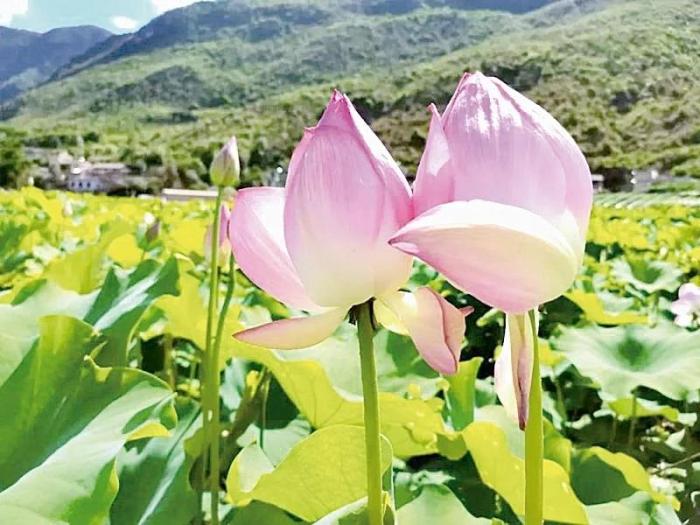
(623, 77)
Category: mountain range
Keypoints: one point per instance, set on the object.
(28, 58)
(622, 75)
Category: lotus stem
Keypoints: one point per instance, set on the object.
(208, 363)
(370, 391)
(214, 384)
(633, 421)
(265, 385)
(534, 440)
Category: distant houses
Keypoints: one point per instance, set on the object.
(105, 177)
(61, 170)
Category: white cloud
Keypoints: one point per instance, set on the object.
(161, 6)
(124, 22)
(11, 8)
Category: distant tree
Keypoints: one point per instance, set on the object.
(13, 163)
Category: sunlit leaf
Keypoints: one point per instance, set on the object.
(302, 483)
(411, 425)
(122, 301)
(504, 472)
(437, 504)
(63, 447)
(595, 309)
(600, 476)
(154, 487)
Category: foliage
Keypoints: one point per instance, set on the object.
(13, 163)
(620, 386)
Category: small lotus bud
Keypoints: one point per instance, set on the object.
(153, 231)
(225, 169)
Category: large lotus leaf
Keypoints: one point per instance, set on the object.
(556, 447)
(648, 275)
(437, 504)
(63, 421)
(154, 487)
(186, 314)
(601, 311)
(187, 237)
(636, 407)
(262, 514)
(664, 358)
(411, 425)
(115, 310)
(461, 395)
(504, 471)
(601, 476)
(125, 251)
(400, 369)
(322, 473)
(637, 509)
(355, 513)
(122, 301)
(82, 270)
(19, 323)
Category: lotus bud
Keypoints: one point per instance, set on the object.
(225, 169)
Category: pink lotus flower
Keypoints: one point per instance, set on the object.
(687, 307)
(504, 196)
(321, 243)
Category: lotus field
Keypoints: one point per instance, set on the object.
(487, 346)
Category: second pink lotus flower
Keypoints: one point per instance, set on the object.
(321, 244)
(503, 196)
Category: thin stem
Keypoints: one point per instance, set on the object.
(692, 457)
(214, 385)
(613, 432)
(208, 363)
(370, 391)
(534, 440)
(169, 368)
(633, 422)
(265, 386)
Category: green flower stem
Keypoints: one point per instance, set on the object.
(214, 384)
(370, 391)
(534, 440)
(208, 363)
(265, 391)
(633, 421)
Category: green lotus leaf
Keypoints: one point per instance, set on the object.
(601, 476)
(63, 421)
(504, 471)
(648, 275)
(411, 425)
(355, 513)
(637, 509)
(122, 301)
(664, 358)
(437, 504)
(635, 407)
(261, 513)
(83, 270)
(321, 474)
(19, 322)
(154, 487)
(598, 311)
(186, 313)
(461, 396)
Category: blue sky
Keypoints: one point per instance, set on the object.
(118, 16)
